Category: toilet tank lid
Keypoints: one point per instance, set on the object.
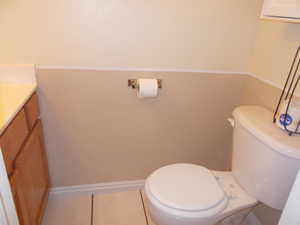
(259, 121)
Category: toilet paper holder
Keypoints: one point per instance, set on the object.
(134, 83)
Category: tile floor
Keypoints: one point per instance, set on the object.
(120, 208)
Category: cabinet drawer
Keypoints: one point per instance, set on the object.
(13, 138)
(32, 110)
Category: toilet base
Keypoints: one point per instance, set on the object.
(235, 219)
(239, 202)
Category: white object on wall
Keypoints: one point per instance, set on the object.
(148, 88)
(290, 215)
(231, 121)
(284, 10)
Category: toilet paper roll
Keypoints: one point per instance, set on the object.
(148, 88)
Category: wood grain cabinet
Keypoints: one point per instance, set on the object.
(32, 110)
(13, 138)
(19, 198)
(33, 174)
(27, 163)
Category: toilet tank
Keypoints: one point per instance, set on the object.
(265, 159)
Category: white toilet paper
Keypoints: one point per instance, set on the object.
(148, 88)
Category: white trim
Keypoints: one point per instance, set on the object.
(252, 219)
(125, 69)
(99, 188)
(139, 69)
(270, 83)
(265, 81)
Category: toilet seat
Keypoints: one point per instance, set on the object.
(186, 189)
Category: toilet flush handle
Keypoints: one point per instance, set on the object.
(231, 121)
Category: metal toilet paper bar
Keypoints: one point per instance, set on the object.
(134, 83)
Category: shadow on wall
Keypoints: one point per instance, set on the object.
(291, 32)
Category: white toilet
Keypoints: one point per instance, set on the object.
(264, 165)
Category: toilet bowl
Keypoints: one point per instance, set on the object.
(265, 162)
(187, 194)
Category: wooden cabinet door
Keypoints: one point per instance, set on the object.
(18, 195)
(32, 110)
(33, 174)
(12, 139)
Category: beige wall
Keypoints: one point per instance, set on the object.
(97, 130)
(275, 46)
(193, 34)
(260, 93)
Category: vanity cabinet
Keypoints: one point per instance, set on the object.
(33, 174)
(19, 198)
(22, 144)
(12, 140)
(32, 111)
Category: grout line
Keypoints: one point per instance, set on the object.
(92, 209)
(144, 208)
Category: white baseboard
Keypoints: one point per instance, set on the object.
(99, 188)
(252, 219)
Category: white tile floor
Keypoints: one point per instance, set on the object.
(121, 208)
(65, 209)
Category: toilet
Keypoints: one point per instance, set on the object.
(265, 162)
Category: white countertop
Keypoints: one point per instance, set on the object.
(17, 84)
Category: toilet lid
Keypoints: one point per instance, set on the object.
(186, 187)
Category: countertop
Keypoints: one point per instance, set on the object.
(12, 99)
(17, 84)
